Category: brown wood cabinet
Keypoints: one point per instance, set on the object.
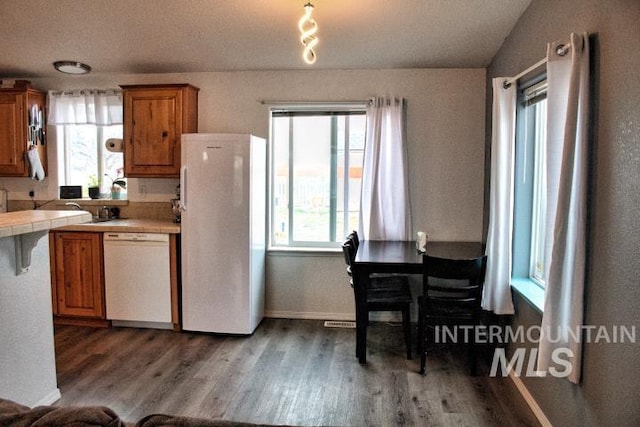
(77, 278)
(155, 116)
(18, 132)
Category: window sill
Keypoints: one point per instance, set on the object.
(530, 291)
(302, 252)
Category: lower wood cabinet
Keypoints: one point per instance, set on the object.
(77, 278)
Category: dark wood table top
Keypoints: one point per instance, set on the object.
(404, 256)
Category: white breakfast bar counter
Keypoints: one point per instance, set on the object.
(27, 356)
(24, 222)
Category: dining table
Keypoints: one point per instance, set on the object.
(401, 257)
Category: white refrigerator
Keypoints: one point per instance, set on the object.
(223, 203)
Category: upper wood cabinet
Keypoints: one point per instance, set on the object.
(155, 117)
(22, 124)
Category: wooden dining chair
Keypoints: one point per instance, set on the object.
(384, 293)
(354, 238)
(452, 297)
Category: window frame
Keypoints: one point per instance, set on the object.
(539, 204)
(529, 182)
(313, 109)
(63, 136)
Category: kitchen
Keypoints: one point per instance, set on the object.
(447, 116)
(324, 295)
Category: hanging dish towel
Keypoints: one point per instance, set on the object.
(36, 171)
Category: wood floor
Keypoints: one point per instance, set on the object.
(294, 372)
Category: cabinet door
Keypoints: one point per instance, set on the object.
(155, 117)
(12, 134)
(79, 285)
(14, 108)
(153, 125)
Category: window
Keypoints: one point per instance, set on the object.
(316, 170)
(84, 158)
(84, 120)
(530, 182)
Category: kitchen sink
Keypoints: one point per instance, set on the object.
(98, 219)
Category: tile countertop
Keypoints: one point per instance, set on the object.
(24, 222)
(127, 226)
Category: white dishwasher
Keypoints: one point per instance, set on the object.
(137, 279)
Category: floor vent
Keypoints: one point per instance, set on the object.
(334, 324)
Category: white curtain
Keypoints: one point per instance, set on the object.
(86, 106)
(497, 288)
(385, 208)
(567, 109)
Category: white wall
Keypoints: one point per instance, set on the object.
(27, 357)
(445, 131)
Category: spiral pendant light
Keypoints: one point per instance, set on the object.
(308, 29)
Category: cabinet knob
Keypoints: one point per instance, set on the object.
(165, 133)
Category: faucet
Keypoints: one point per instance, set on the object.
(74, 205)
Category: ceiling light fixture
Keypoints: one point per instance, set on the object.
(71, 67)
(308, 28)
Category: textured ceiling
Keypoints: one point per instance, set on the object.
(160, 36)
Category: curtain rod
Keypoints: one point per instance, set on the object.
(303, 103)
(84, 91)
(515, 78)
(561, 50)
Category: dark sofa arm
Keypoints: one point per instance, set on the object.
(15, 415)
(162, 420)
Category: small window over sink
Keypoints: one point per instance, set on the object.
(85, 120)
(83, 158)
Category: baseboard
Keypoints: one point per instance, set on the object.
(49, 399)
(81, 321)
(533, 405)
(309, 315)
(137, 324)
(380, 316)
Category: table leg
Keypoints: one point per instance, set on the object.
(361, 334)
(362, 318)
(358, 349)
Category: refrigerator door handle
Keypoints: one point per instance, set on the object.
(183, 188)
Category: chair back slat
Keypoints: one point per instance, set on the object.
(468, 275)
(458, 269)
